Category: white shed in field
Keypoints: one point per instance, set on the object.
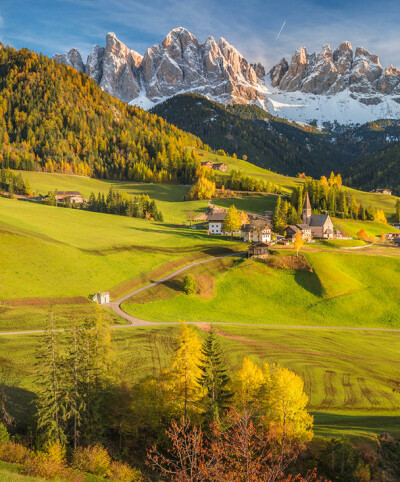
(101, 298)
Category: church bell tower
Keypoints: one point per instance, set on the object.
(307, 210)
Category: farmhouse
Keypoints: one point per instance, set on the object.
(215, 222)
(382, 191)
(74, 196)
(258, 250)
(220, 166)
(207, 164)
(303, 228)
(256, 232)
(101, 298)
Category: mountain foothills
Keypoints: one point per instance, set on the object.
(282, 146)
(55, 119)
(345, 85)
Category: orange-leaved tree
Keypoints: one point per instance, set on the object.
(298, 241)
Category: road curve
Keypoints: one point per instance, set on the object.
(137, 322)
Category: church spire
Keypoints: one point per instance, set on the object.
(307, 210)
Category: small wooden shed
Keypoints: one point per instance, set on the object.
(258, 250)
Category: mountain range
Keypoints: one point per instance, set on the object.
(345, 85)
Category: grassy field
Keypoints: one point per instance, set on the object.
(372, 228)
(343, 289)
(54, 252)
(349, 376)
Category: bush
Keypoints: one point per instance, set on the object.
(14, 453)
(4, 435)
(189, 285)
(94, 459)
(124, 473)
(51, 464)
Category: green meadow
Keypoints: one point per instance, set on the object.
(51, 252)
(349, 376)
(343, 289)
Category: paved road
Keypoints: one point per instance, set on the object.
(135, 322)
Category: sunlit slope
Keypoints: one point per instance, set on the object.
(48, 251)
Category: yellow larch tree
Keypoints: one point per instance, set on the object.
(185, 369)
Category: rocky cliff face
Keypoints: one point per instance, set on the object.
(178, 64)
(334, 85)
(329, 72)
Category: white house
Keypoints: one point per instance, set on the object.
(216, 224)
(256, 232)
(102, 298)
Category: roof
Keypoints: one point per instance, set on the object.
(218, 164)
(216, 217)
(301, 227)
(251, 227)
(318, 219)
(258, 245)
(307, 204)
(68, 193)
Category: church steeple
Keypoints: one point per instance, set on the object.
(307, 210)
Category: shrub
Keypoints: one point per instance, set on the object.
(189, 285)
(94, 459)
(14, 453)
(51, 464)
(124, 473)
(4, 435)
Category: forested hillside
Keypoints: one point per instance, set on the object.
(55, 119)
(379, 169)
(276, 144)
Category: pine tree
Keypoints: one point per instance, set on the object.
(277, 221)
(214, 378)
(51, 402)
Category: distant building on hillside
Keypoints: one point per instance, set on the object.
(220, 166)
(101, 298)
(382, 191)
(207, 164)
(74, 196)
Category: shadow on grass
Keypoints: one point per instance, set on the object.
(310, 282)
(330, 424)
(21, 407)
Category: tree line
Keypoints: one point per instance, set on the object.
(14, 183)
(115, 202)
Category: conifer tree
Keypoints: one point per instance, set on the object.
(51, 402)
(186, 371)
(214, 378)
(277, 221)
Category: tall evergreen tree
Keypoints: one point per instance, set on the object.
(214, 378)
(51, 400)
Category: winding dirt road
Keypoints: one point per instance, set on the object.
(137, 322)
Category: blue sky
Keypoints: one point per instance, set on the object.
(252, 26)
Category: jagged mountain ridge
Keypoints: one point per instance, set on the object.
(342, 85)
(178, 64)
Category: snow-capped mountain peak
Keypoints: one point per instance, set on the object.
(343, 85)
